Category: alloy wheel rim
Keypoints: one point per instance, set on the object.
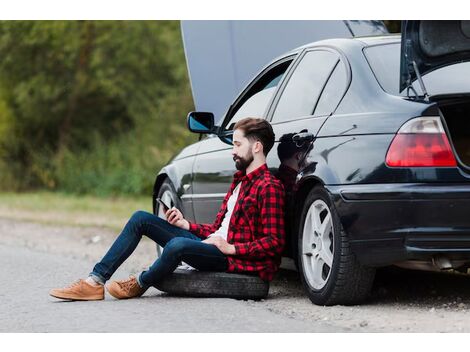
(317, 245)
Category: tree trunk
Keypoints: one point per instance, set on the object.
(80, 80)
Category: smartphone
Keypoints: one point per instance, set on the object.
(163, 204)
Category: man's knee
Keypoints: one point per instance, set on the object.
(141, 216)
(177, 246)
(139, 219)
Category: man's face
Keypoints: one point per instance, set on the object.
(242, 150)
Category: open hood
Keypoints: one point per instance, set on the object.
(223, 56)
(432, 45)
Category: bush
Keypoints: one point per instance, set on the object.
(90, 106)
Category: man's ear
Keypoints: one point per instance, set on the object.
(257, 147)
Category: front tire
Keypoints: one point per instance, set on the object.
(168, 194)
(330, 272)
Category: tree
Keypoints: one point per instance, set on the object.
(70, 87)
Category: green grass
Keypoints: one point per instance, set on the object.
(71, 210)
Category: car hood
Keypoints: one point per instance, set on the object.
(432, 45)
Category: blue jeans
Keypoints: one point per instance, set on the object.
(178, 245)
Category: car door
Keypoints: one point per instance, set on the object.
(306, 99)
(311, 93)
(214, 167)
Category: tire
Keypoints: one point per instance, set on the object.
(329, 270)
(168, 194)
(214, 284)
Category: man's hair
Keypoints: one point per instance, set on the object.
(256, 129)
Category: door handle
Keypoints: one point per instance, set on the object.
(302, 137)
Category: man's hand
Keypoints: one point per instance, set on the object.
(223, 246)
(174, 217)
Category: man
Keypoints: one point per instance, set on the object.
(248, 234)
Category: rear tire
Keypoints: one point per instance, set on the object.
(329, 270)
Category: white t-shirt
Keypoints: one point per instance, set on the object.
(222, 231)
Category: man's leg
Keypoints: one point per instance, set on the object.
(141, 223)
(202, 256)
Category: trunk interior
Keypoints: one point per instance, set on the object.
(456, 112)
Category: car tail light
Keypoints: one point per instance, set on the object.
(421, 142)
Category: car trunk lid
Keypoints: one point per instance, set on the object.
(429, 45)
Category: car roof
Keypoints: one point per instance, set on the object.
(365, 41)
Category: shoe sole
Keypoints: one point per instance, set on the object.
(71, 298)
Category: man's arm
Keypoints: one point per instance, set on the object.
(272, 240)
(201, 230)
(175, 217)
(204, 230)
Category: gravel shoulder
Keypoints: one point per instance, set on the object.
(401, 301)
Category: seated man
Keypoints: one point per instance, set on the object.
(251, 240)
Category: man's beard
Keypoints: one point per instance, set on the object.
(242, 163)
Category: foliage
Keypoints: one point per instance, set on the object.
(90, 106)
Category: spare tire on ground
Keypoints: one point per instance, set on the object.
(195, 283)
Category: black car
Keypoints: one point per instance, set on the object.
(373, 134)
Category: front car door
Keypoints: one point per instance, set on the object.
(214, 167)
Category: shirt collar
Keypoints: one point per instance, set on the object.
(241, 176)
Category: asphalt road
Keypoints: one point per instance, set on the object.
(27, 277)
(36, 257)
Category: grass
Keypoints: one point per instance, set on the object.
(71, 210)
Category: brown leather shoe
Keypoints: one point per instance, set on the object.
(79, 291)
(125, 288)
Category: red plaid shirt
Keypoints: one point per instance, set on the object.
(256, 227)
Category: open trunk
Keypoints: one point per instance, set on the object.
(456, 113)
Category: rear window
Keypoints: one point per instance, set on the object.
(384, 60)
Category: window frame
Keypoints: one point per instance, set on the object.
(342, 59)
(346, 87)
(240, 99)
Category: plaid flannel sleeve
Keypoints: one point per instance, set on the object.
(272, 239)
(200, 230)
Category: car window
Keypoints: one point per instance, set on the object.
(384, 61)
(305, 85)
(255, 102)
(333, 92)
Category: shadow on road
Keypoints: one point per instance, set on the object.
(395, 285)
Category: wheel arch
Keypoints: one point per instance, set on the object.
(168, 172)
(161, 177)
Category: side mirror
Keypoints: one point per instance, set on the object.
(201, 122)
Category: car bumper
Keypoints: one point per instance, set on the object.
(390, 223)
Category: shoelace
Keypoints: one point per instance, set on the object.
(76, 283)
(128, 284)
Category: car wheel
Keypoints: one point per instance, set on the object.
(329, 270)
(214, 284)
(168, 194)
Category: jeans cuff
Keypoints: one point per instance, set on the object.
(139, 281)
(98, 278)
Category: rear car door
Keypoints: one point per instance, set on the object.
(311, 93)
